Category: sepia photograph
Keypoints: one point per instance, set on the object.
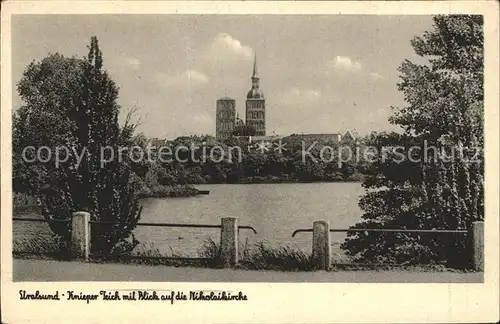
(244, 148)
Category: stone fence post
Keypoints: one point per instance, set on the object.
(229, 241)
(80, 235)
(477, 237)
(321, 245)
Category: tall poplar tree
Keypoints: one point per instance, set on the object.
(105, 190)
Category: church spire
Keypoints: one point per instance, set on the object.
(255, 74)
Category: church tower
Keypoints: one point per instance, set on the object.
(256, 104)
(225, 118)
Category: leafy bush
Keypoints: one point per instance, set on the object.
(72, 103)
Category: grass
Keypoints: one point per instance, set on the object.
(148, 254)
(24, 203)
(258, 256)
(40, 247)
(261, 256)
(255, 257)
(284, 258)
(35, 244)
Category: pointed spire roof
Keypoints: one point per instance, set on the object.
(255, 92)
(255, 73)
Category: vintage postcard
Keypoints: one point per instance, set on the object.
(249, 162)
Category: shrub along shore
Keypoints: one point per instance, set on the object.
(160, 191)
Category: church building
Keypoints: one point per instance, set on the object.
(227, 119)
(255, 113)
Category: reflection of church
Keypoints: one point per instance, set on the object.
(255, 114)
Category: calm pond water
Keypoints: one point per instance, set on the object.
(274, 210)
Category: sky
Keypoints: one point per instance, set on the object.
(319, 73)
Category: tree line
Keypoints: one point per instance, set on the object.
(251, 163)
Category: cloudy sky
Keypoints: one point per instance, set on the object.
(320, 74)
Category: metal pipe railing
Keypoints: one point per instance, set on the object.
(383, 230)
(43, 220)
(171, 225)
(248, 227)
(156, 224)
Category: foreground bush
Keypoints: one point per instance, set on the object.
(72, 103)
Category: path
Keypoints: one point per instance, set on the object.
(48, 270)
